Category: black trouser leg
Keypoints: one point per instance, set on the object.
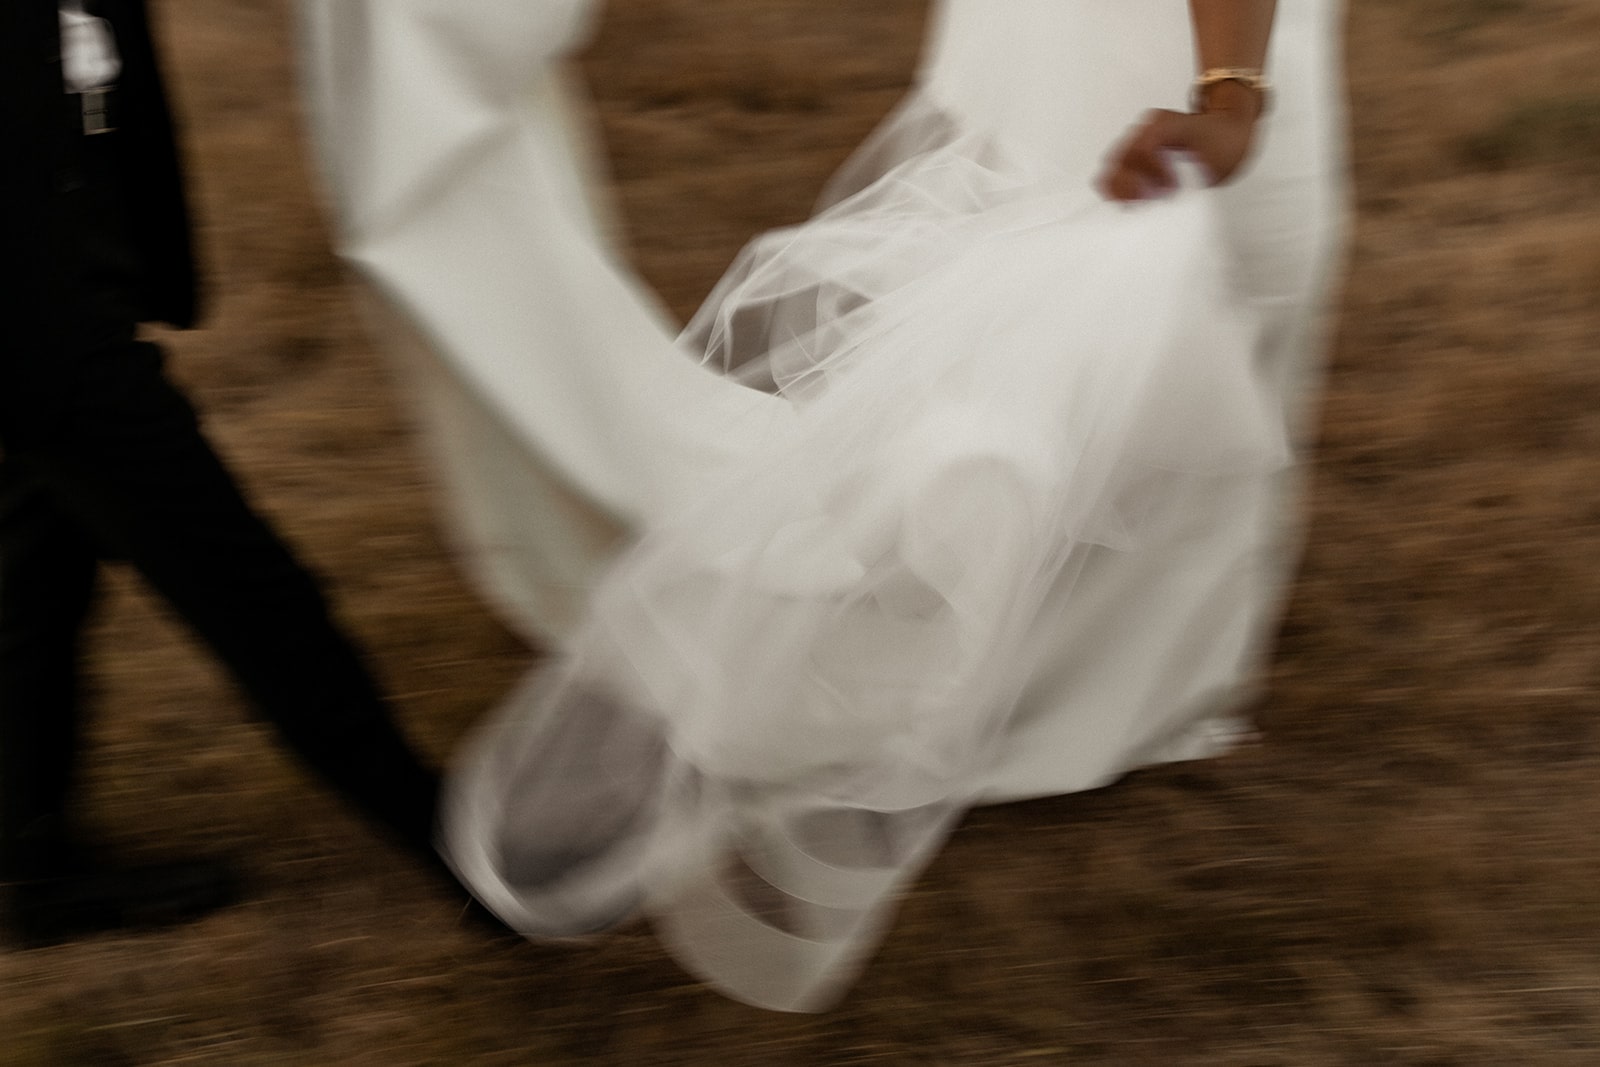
(47, 574)
(130, 464)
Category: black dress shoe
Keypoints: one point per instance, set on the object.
(90, 899)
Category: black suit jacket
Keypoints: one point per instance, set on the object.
(44, 153)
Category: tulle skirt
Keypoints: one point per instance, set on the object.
(786, 691)
(986, 488)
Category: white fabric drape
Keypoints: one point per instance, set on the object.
(559, 406)
(989, 504)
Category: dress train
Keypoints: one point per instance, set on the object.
(983, 502)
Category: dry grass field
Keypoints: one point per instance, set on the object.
(1404, 870)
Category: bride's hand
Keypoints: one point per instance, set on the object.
(1218, 138)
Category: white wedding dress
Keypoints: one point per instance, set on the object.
(971, 488)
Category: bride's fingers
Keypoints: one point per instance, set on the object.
(1139, 168)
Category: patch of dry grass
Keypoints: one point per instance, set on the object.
(1563, 129)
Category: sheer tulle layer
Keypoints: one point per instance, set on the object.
(785, 692)
(957, 391)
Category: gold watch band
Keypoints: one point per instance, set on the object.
(1249, 77)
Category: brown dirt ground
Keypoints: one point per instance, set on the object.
(1405, 870)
